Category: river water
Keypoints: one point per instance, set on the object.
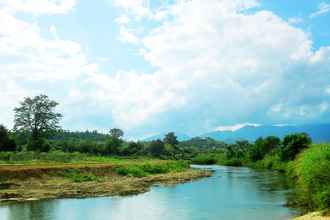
(230, 194)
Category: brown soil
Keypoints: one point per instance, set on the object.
(23, 183)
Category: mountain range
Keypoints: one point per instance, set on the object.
(318, 132)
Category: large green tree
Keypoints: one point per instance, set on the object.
(293, 144)
(171, 139)
(37, 117)
(116, 133)
(157, 148)
(115, 142)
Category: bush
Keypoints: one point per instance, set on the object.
(205, 159)
(79, 177)
(271, 162)
(311, 173)
(293, 144)
(235, 162)
(151, 168)
(133, 171)
(6, 143)
(39, 144)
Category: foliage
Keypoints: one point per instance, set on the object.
(262, 147)
(207, 159)
(132, 171)
(157, 148)
(62, 135)
(39, 144)
(151, 168)
(199, 143)
(311, 174)
(32, 156)
(6, 143)
(171, 139)
(37, 117)
(293, 144)
(113, 146)
(116, 133)
(79, 177)
(272, 162)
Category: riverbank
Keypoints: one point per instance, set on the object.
(36, 182)
(313, 216)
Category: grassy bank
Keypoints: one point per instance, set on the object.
(44, 180)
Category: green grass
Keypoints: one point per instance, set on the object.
(145, 169)
(79, 177)
(53, 157)
(311, 174)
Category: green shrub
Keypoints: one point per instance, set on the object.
(235, 162)
(271, 162)
(133, 171)
(206, 159)
(79, 177)
(151, 168)
(293, 144)
(311, 173)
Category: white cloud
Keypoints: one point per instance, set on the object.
(126, 36)
(324, 8)
(295, 20)
(236, 127)
(123, 20)
(228, 67)
(38, 7)
(31, 64)
(213, 64)
(137, 8)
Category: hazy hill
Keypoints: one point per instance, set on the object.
(318, 132)
(181, 137)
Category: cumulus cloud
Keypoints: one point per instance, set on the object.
(31, 64)
(227, 66)
(38, 7)
(295, 20)
(127, 36)
(213, 64)
(324, 8)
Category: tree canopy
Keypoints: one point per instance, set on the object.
(171, 139)
(37, 115)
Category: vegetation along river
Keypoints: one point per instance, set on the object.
(230, 194)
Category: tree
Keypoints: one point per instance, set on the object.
(262, 147)
(171, 139)
(157, 148)
(133, 148)
(116, 133)
(114, 143)
(6, 143)
(294, 144)
(37, 117)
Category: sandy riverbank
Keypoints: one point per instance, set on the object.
(313, 216)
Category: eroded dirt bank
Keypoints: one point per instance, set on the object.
(24, 183)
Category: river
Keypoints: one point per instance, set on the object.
(230, 194)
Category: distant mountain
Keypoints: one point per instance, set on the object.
(181, 137)
(318, 132)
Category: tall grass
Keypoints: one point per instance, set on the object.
(311, 173)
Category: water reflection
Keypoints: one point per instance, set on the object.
(232, 193)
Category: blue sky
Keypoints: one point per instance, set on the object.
(189, 66)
